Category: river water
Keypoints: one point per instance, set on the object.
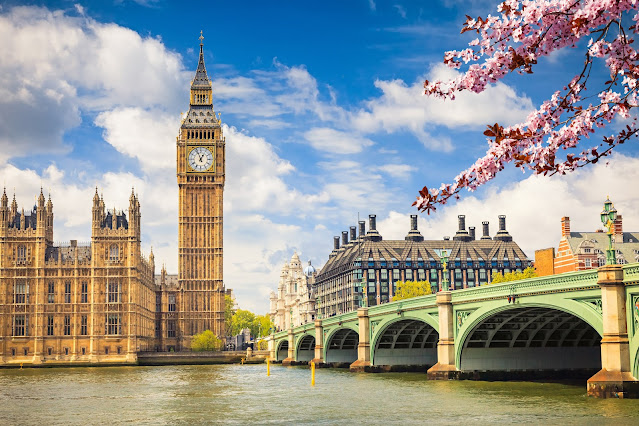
(236, 394)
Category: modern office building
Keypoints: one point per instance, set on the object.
(365, 268)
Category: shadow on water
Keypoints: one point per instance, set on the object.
(235, 394)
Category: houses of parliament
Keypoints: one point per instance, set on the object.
(101, 301)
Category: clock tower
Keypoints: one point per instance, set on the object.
(200, 177)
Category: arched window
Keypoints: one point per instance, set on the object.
(22, 254)
(114, 253)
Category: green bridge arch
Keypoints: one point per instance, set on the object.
(575, 308)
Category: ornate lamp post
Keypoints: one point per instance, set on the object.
(444, 259)
(608, 217)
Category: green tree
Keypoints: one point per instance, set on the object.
(229, 311)
(513, 276)
(263, 324)
(243, 319)
(410, 289)
(206, 341)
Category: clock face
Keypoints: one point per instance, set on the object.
(200, 159)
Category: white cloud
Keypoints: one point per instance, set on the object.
(400, 10)
(534, 206)
(331, 141)
(255, 178)
(401, 171)
(405, 108)
(53, 65)
(145, 135)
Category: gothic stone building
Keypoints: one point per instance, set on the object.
(294, 302)
(73, 302)
(367, 267)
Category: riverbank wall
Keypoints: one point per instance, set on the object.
(150, 358)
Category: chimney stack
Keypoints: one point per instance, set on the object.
(344, 238)
(502, 234)
(462, 234)
(565, 226)
(471, 231)
(353, 234)
(362, 229)
(372, 234)
(485, 231)
(618, 229)
(335, 243)
(413, 234)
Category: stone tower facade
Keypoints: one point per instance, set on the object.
(200, 177)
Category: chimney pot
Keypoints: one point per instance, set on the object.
(353, 233)
(461, 221)
(565, 226)
(372, 222)
(471, 231)
(413, 222)
(485, 230)
(335, 243)
(362, 228)
(502, 222)
(344, 238)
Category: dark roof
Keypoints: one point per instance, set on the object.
(121, 221)
(476, 250)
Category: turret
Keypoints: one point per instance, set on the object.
(14, 208)
(134, 215)
(49, 209)
(152, 259)
(4, 210)
(41, 213)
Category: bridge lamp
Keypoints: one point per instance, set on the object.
(608, 216)
(444, 259)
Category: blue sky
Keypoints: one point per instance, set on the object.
(325, 119)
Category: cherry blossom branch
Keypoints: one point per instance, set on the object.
(526, 31)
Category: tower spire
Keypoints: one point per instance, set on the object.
(201, 80)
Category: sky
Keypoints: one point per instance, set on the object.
(324, 118)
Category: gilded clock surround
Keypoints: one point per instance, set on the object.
(200, 273)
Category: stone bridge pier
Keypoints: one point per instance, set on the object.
(615, 378)
(364, 346)
(445, 368)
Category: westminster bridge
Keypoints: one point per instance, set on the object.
(563, 325)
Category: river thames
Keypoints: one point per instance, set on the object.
(236, 394)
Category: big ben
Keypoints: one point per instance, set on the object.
(200, 177)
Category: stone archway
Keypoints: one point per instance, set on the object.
(406, 342)
(305, 348)
(282, 350)
(531, 338)
(342, 347)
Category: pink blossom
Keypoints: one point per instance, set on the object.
(523, 33)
